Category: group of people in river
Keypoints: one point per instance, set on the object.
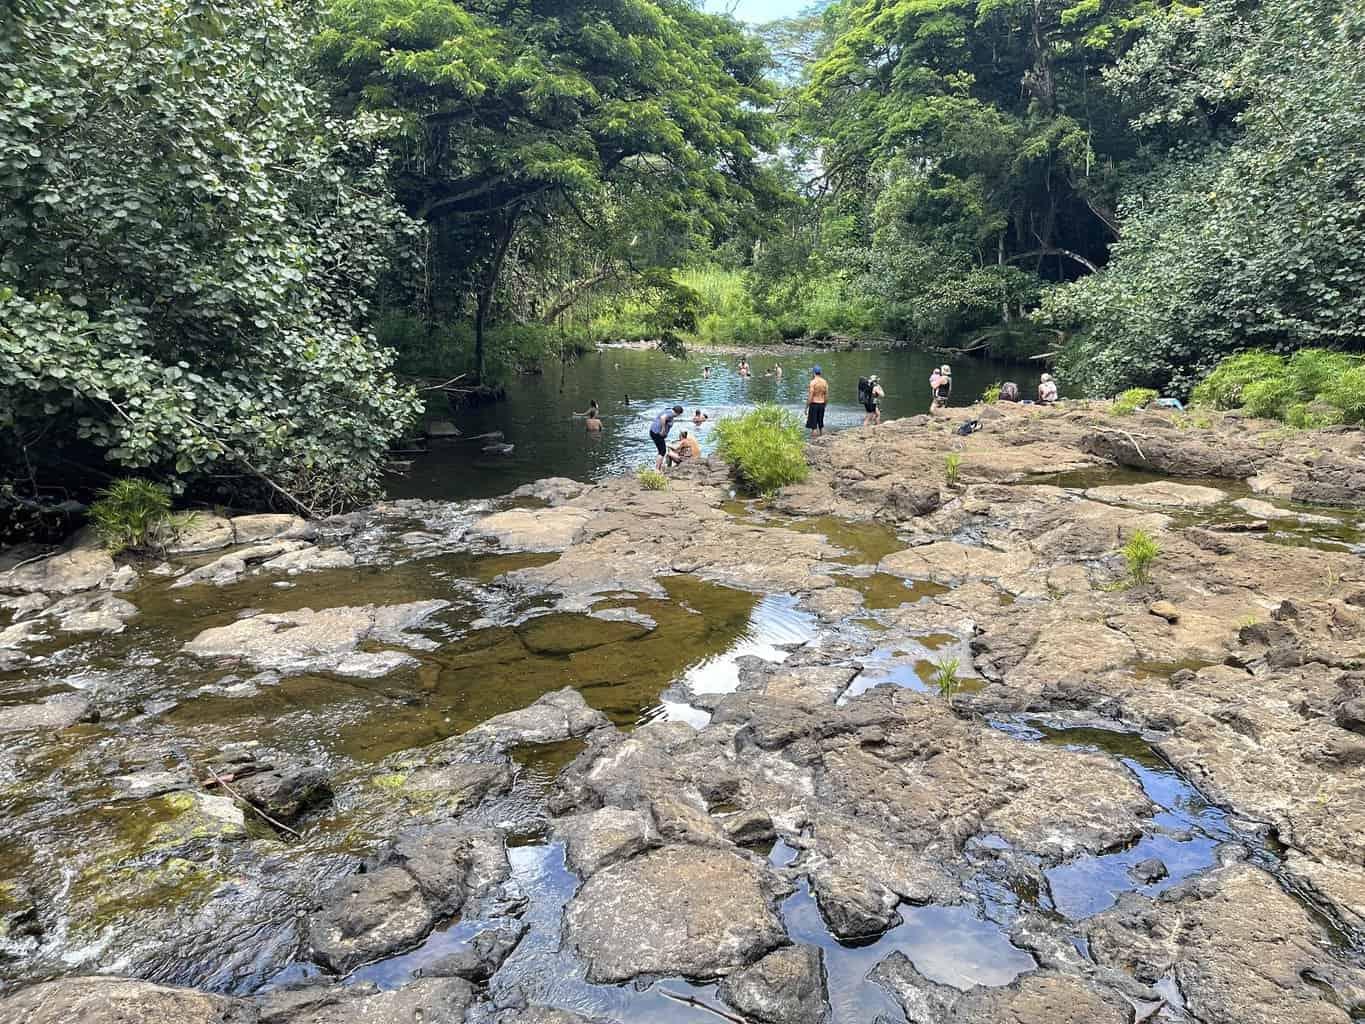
(870, 395)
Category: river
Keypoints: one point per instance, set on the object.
(537, 417)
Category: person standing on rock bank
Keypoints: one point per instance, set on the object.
(658, 433)
(817, 397)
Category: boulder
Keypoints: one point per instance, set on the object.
(258, 528)
(312, 559)
(786, 987)
(429, 999)
(108, 1000)
(691, 910)
(368, 917)
(555, 490)
(60, 711)
(481, 957)
(84, 565)
(287, 795)
(907, 500)
(203, 532)
(1165, 610)
(599, 839)
(555, 717)
(538, 529)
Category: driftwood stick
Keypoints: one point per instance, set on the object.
(36, 558)
(226, 785)
(1135, 445)
(690, 1001)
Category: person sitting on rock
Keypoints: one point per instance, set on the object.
(1009, 392)
(1047, 390)
(686, 448)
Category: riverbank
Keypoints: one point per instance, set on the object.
(796, 347)
(740, 752)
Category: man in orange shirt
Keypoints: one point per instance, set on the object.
(817, 396)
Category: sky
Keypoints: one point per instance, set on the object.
(758, 10)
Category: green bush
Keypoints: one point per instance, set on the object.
(1134, 399)
(129, 513)
(992, 394)
(1313, 388)
(652, 479)
(766, 448)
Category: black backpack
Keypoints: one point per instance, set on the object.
(864, 390)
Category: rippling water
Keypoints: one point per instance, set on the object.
(537, 417)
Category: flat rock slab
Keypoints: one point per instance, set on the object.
(534, 529)
(119, 1001)
(694, 911)
(949, 560)
(57, 712)
(84, 566)
(325, 641)
(555, 717)
(599, 839)
(1161, 494)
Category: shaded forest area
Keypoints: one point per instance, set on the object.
(237, 236)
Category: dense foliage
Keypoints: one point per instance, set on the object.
(766, 448)
(1311, 388)
(185, 255)
(1250, 231)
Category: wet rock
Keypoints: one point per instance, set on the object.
(541, 529)
(555, 717)
(481, 957)
(1161, 494)
(544, 1015)
(441, 428)
(1032, 999)
(1240, 949)
(106, 1000)
(60, 711)
(325, 641)
(257, 528)
(558, 635)
(449, 789)
(907, 500)
(84, 565)
(124, 579)
(428, 999)
(312, 559)
(229, 568)
(368, 917)
(287, 795)
(786, 987)
(152, 782)
(598, 839)
(26, 605)
(555, 490)
(1148, 871)
(695, 911)
(451, 863)
(204, 532)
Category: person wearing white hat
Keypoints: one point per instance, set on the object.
(872, 401)
(942, 383)
(1047, 390)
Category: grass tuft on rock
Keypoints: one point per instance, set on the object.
(1134, 399)
(952, 469)
(1139, 553)
(766, 448)
(652, 480)
(129, 513)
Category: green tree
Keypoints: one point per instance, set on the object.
(519, 117)
(185, 254)
(1250, 231)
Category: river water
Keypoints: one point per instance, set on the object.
(537, 418)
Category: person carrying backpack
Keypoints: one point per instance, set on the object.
(870, 394)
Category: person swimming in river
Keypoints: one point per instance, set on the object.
(706, 371)
(686, 448)
(658, 433)
(592, 412)
(699, 417)
(593, 423)
(743, 367)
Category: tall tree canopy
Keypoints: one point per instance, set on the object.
(186, 250)
(520, 115)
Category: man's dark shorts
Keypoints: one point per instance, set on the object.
(660, 442)
(815, 416)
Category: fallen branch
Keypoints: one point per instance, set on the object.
(226, 785)
(36, 558)
(690, 1001)
(442, 387)
(1133, 441)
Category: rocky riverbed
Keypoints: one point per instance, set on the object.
(877, 749)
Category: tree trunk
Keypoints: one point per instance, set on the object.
(488, 286)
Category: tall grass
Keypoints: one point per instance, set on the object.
(129, 513)
(1312, 388)
(766, 448)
